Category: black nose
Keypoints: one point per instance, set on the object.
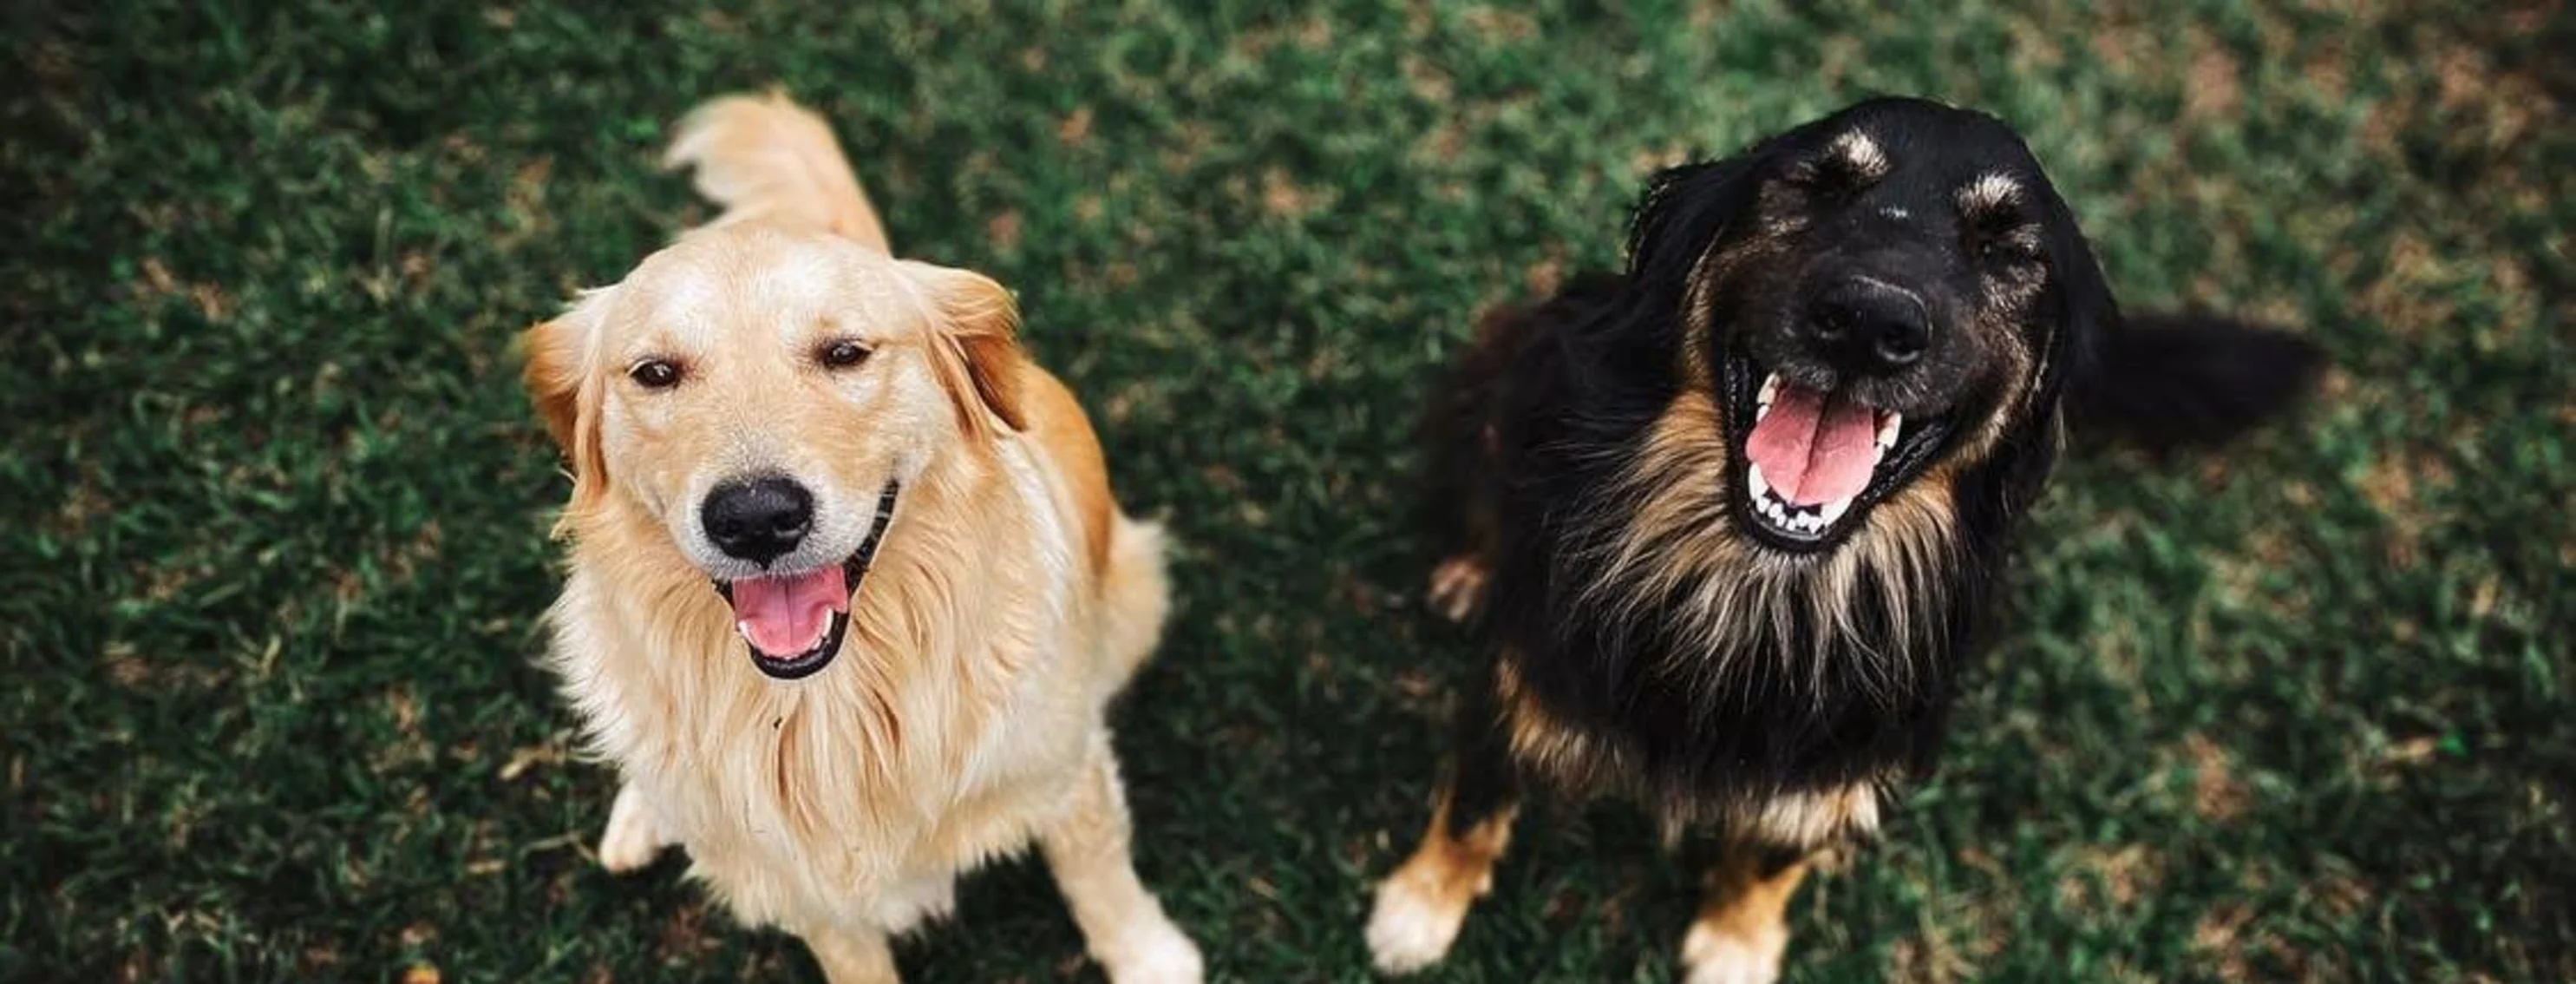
(1867, 327)
(758, 520)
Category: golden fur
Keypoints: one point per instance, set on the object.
(1009, 601)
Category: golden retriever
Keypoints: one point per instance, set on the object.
(848, 593)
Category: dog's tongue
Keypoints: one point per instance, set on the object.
(785, 616)
(1814, 447)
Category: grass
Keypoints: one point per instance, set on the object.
(276, 544)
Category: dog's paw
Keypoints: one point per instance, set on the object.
(634, 836)
(1711, 955)
(909, 906)
(1158, 954)
(1413, 922)
(1458, 587)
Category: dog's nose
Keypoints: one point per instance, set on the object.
(759, 520)
(1867, 327)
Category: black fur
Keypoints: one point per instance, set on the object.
(1552, 404)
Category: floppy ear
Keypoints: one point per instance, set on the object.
(1687, 208)
(564, 386)
(975, 346)
(2080, 313)
(2086, 315)
(1684, 210)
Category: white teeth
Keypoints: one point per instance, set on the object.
(743, 629)
(1762, 400)
(1796, 519)
(1800, 519)
(1888, 425)
(1834, 510)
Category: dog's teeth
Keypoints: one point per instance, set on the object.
(1761, 488)
(743, 629)
(1887, 428)
(1770, 389)
(1834, 510)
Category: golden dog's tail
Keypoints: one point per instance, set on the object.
(1134, 596)
(766, 159)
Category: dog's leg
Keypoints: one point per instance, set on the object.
(634, 836)
(852, 956)
(1458, 587)
(1421, 906)
(1743, 924)
(1087, 849)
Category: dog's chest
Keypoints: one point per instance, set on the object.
(824, 798)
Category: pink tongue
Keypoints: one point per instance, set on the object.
(1811, 450)
(785, 616)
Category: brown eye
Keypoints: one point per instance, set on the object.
(841, 355)
(655, 374)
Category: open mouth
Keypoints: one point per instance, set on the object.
(794, 622)
(1815, 461)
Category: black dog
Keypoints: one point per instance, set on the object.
(1738, 513)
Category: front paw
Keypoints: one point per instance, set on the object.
(634, 836)
(1159, 954)
(1458, 587)
(1715, 956)
(1414, 922)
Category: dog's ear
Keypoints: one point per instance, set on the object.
(1684, 210)
(2086, 315)
(564, 386)
(2078, 315)
(975, 346)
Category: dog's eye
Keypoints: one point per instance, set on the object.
(841, 354)
(2009, 251)
(655, 374)
(1847, 168)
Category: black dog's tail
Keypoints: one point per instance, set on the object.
(2169, 381)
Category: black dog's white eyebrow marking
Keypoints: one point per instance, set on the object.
(1862, 153)
(1988, 192)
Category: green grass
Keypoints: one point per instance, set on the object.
(276, 510)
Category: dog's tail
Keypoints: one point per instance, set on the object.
(766, 159)
(2167, 381)
(1134, 596)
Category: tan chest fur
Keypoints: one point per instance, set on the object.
(951, 724)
